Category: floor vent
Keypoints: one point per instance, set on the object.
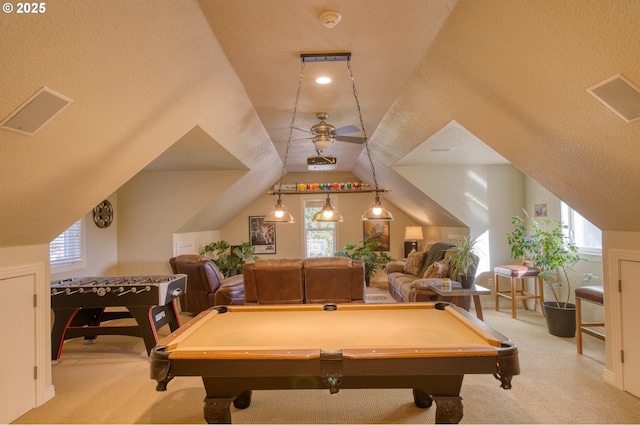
(38, 110)
(619, 95)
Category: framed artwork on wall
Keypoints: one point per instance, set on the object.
(540, 210)
(377, 229)
(262, 235)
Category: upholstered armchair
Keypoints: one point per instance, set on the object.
(273, 281)
(206, 287)
(334, 280)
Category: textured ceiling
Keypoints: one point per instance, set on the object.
(143, 75)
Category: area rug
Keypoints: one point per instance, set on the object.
(378, 292)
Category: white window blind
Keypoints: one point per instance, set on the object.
(319, 237)
(68, 248)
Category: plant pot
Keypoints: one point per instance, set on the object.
(560, 321)
(466, 280)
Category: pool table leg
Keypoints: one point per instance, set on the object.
(217, 410)
(449, 409)
(421, 398)
(243, 400)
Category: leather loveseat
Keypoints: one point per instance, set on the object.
(308, 281)
(206, 287)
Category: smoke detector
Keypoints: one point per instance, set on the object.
(330, 18)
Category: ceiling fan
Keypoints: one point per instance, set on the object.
(324, 134)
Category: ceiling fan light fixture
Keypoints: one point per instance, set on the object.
(377, 212)
(279, 214)
(322, 141)
(328, 213)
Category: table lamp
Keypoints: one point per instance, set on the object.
(413, 234)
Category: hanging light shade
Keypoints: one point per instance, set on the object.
(279, 214)
(376, 212)
(328, 213)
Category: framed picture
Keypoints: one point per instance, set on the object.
(262, 235)
(540, 210)
(377, 229)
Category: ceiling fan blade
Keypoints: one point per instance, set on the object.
(350, 139)
(302, 129)
(347, 129)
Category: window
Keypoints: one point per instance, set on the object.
(587, 237)
(319, 238)
(66, 252)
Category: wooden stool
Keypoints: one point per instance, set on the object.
(516, 274)
(592, 294)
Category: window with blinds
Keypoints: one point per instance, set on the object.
(319, 237)
(67, 250)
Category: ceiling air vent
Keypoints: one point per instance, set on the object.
(619, 95)
(38, 110)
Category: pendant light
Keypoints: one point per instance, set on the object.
(328, 213)
(376, 212)
(279, 214)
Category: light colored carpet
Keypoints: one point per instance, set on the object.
(377, 292)
(108, 382)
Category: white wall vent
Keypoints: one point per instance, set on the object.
(38, 110)
(620, 95)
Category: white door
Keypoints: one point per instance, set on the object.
(630, 296)
(17, 324)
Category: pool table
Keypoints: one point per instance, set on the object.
(427, 347)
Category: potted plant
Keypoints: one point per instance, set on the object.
(373, 260)
(229, 261)
(465, 261)
(554, 253)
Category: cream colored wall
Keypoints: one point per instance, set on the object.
(155, 205)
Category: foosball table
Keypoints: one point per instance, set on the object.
(79, 307)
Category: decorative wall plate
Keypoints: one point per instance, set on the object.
(103, 214)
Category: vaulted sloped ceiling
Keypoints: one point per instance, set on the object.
(144, 74)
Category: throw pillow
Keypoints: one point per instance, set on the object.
(413, 265)
(439, 269)
(436, 253)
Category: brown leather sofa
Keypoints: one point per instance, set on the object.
(308, 281)
(206, 287)
(333, 280)
(277, 281)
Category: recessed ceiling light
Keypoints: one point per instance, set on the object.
(323, 80)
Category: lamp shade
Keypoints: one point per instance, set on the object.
(413, 233)
(328, 213)
(279, 214)
(376, 212)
